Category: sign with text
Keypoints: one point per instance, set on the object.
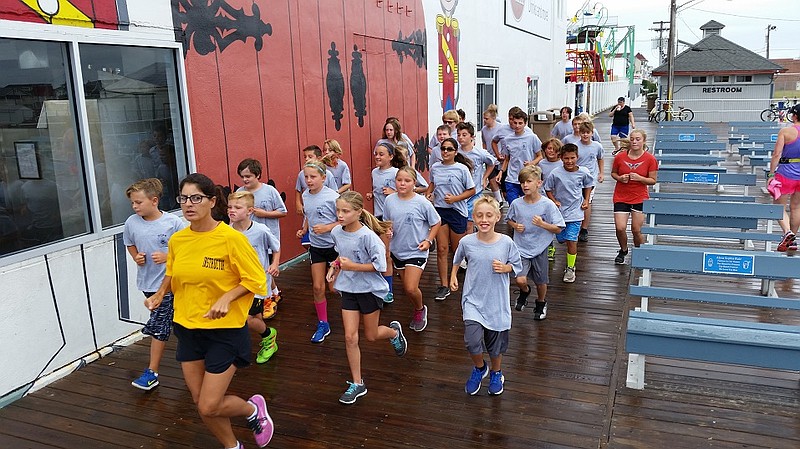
(773, 137)
(728, 264)
(531, 16)
(693, 177)
(686, 137)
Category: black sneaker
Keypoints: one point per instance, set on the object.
(441, 293)
(540, 311)
(522, 300)
(583, 236)
(620, 259)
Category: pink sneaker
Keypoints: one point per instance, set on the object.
(261, 424)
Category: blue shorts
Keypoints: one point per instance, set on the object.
(513, 191)
(159, 326)
(451, 217)
(471, 203)
(620, 131)
(570, 232)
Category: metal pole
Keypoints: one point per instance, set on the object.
(769, 28)
(671, 56)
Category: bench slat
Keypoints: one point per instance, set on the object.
(714, 297)
(707, 233)
(689, 259)
(714, 209)
(702, 197)
(728, 179)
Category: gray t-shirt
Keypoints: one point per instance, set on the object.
(436, 154)
(567, 188)
(330, 181)
(518, 150)
(562, 129)
(572, 138)
(320, 208)
(480, 160)
(588, 156)
(264, 242)
(340, 174)
(485, 296)
(268, 198)
(547, 168)
(381, 179)
(453, 179)
(149, 237)
(412, 221)
(534, 240)
(487, 134)
(362, 246)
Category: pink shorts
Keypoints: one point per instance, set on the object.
(788, 186)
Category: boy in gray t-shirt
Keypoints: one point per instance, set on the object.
(569, 188)
(492, 258)
(146, 234)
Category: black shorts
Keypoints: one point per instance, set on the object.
(626, 208)
(365, 303)
(418, 262)
(320, 255)
(218, 348)
(451, 217)
(257, 307)
(494, 173)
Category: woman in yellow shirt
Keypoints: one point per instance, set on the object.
(213, 273)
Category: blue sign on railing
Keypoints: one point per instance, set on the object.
(686, 137)
(728, 264)
(692, 177)
(773, 137)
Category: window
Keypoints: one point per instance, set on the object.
(699, 79)
(487, 91)
(135, 123)
(722, 79)
(134, 127)
(42, 188)
(744, 78)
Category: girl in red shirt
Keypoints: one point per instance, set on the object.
(634, 169)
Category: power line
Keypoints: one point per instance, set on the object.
(746, 17)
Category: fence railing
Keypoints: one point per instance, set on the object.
(731, 109)
(594, 97)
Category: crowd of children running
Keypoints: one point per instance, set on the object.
(215, 279)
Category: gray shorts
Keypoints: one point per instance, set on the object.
(537, 269)
(478, 339)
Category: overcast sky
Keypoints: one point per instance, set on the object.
(745, 22)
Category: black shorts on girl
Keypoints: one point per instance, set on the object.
(365, 303)
(625, 207)
(319, 255)
(451, 217)
(419, 262)
(218, 348)
(478, 339)
(159, 325)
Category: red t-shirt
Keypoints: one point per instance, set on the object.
(633, 192)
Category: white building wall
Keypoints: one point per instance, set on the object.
(487, 42)
(722, 102)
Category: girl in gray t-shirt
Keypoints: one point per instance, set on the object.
(356, 274)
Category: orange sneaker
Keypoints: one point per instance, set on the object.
(277, 298)
(270, 308)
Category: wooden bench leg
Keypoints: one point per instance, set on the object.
(635, 378)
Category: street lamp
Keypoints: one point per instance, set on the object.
(769, 28)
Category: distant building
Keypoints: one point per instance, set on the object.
(720, 80)
(790, 79)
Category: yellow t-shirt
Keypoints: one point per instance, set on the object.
(205, 265)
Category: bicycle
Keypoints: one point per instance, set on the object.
(776, 112)
(683, 114)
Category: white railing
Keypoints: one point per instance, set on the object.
(731, 109)
(595, 96)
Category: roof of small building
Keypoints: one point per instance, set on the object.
(712, 25)
(715, 54)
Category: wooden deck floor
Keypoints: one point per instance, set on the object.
(565, 381)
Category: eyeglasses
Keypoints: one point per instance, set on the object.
(194, 199)
(449, 122)
(444, 149)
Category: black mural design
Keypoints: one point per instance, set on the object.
(421, 150)
(212, 24)
(358, 86)
(412, 47)
(272, 183)
(334, 81)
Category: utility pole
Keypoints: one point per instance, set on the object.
(660, 30)
(673, 9)
(769, 28)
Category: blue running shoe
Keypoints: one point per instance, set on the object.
(323, 330)
(474, 382)
(389, 298)
(147, 381)
(496, 381)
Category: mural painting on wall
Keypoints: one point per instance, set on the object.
(358, 86)
(449, 34)
(209, 25)
(105, 14)
(334, 82)
(412, 47)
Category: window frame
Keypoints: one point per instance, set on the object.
(72, 37)
(736, 79)
(703, 81)
(715, 81)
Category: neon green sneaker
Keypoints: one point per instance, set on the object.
(269, 346)
(551, 253)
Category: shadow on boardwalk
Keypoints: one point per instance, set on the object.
(564, 380)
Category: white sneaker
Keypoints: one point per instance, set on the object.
(569, 275)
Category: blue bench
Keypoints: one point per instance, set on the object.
(689, 147)
(689, 159)
(685, 137)
(713, 175)
(738, 139)
(759, 124)
(713, 340)
(702, 197)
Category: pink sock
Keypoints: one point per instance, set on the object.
(322, 310)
